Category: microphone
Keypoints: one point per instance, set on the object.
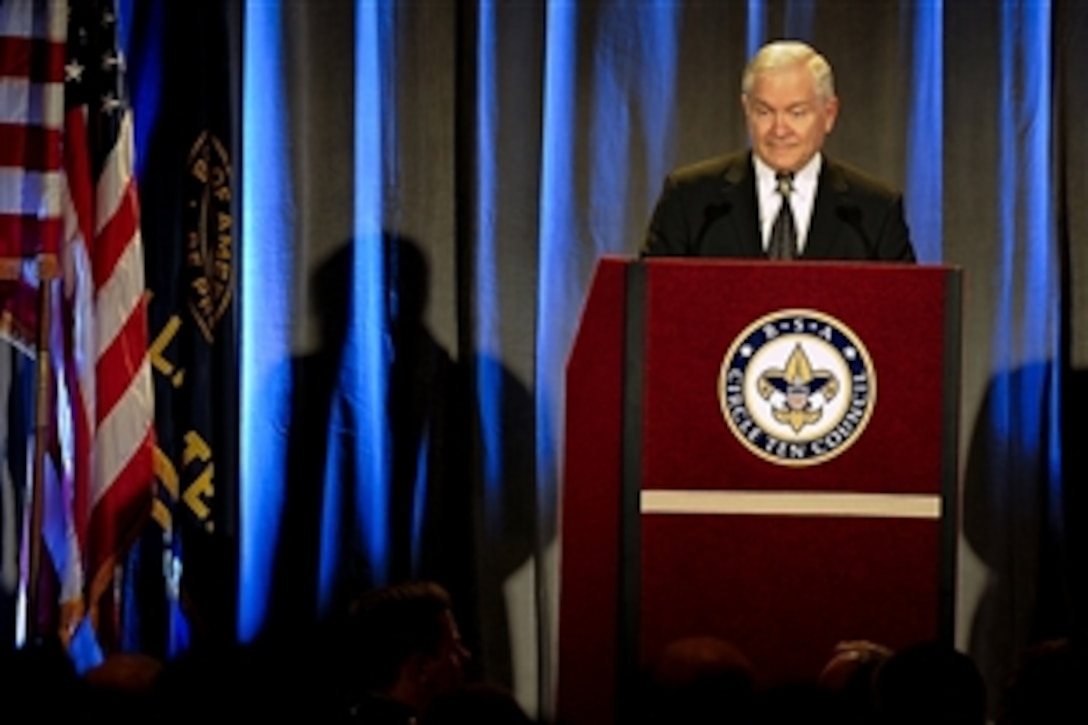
(851, 214)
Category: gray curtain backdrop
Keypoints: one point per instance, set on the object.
(523, 140)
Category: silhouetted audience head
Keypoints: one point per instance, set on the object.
(1048, 685)
(405, 644)
(848, 677)
(931, 683)
(699, 679)
(121, 688)
(478, 704)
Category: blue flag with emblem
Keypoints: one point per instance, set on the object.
(181, 581)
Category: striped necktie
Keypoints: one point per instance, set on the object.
(783, 242)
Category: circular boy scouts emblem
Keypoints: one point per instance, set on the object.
(797, 387)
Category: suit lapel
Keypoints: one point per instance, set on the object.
(739, 191)
(825, 226)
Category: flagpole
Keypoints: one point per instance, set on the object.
(46, 273)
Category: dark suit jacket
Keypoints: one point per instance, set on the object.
(709, 209)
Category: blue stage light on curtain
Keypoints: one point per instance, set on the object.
(145, 71)
(1027, 330)
(368, 351)
(1033, 125)
(559, 227)
(1001, 421)
(557, 219)
(656, 92)
(489, 371)
(633, 103)
(267, 260)
(925, 134)
(756, 32)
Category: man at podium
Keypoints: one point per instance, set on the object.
(782, 198)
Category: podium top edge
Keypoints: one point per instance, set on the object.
(868, 265)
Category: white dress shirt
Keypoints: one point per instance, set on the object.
(801, 200)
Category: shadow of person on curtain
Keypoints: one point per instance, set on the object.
(431, 515)
(427, 525)
(463, 506)
(1012, 506)
(307, 387)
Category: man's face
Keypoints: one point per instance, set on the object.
(787, 120)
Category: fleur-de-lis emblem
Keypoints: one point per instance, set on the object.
(798, 383)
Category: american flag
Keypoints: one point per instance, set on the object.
(32, 37)
(77, 195)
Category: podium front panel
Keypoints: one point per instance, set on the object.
(780, 540)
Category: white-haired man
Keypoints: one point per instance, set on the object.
(730, 206)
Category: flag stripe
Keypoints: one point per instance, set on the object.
(22, 233)
(30, 147)
(36, 58)
(35, 104)
(34, 19)
(122, 461)
(120, 360)
(116, 240)
(80, 187)
(116, 185)
(118, 514)
(118, 297)
(120, 433)
(32, 192)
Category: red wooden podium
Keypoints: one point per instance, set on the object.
(761, 451)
